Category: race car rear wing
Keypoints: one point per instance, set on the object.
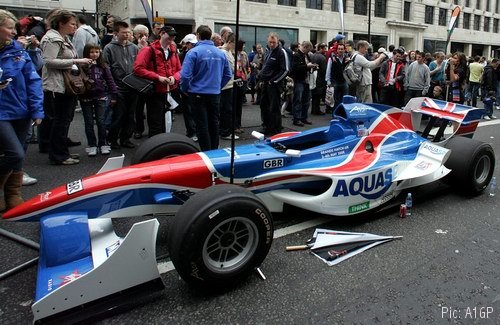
(462, 119)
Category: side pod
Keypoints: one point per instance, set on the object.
(101, 270)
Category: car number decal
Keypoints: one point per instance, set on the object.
(74, 187)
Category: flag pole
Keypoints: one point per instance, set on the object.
(235, 94)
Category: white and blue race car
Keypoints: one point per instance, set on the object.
(221, 230)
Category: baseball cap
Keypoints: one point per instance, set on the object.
(189, 38)
(338, 37)
(169, 30)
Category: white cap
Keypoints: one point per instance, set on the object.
(189, 38)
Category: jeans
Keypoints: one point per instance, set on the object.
(122, 121)
(225, 112)
(62, 109)
(155, 110)
(205, 110)
(97, 108)
(474, 91)
(13, 135)
(339, 91)
(301, 99)
(270, 105)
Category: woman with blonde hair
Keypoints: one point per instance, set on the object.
(21, 106)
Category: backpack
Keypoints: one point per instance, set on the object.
(353, 72)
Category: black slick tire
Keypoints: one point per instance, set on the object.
(164, 145)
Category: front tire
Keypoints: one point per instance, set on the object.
(164, 145)
(219, 237)
(472, 164)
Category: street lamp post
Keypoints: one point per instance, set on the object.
(369, 21)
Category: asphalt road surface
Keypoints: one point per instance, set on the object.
(444, 270)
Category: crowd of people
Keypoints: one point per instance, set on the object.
(204, 73)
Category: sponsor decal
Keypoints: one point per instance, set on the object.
(74, 187)
(65, 279)
(359, 207)
(273, 163)
(195, 271)
(44, 196)
(369, 186)
(113, 247)
(267, 224)
(333, 152)
(434, 149)
(423, 165)
(358, 110)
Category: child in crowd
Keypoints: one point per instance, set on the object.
(489, 103)
(437, 93)
(95, 101)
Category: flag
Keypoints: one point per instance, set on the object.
(334, 246)
(451, 26)
(341, 11)
(148, 8)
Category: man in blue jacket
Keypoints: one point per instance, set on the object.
(205, 71)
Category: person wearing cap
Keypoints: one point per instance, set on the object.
(336, 40)
(204, 72)
(188, 42)
(164, 69)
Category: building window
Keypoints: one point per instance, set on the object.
(442, 16)
(292, 3)
(314, 4)
(488, 5)
(495, 25)
(406, 11)
(486, 24)
(478, 4)
(360, 7)
(467, 3)
(380, 8)
(429, 15)
(335, 5)
(455, 2)
(466, 20)
(263, 1)
(477, 22)
(497, 6)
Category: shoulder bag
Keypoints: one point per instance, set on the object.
(142, 85)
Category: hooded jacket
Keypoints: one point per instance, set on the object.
(84, 35)
(23, 97)
(165, 67)
(120, 59)
(58, 54)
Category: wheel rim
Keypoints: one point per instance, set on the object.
(482, 170)
(230, 245)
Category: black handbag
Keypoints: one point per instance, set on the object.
(142, 85)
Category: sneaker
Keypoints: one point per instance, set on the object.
(228, 137)
(493, 116)
(91, 152)
(105, 150)
(69, 161)
(28, 180)
(486, 117)
(497, 107)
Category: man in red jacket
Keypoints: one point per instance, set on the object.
(159, 62)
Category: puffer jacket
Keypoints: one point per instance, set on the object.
(23, 97)
(58, 54)
(171, 67)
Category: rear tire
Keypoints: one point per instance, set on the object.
(164, 145)
(219, 237)
(472, 164)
